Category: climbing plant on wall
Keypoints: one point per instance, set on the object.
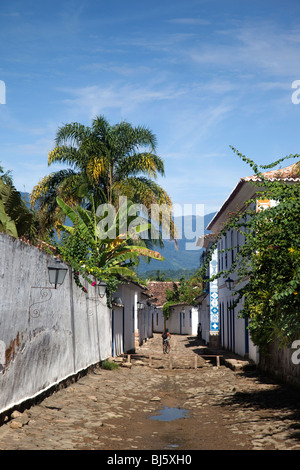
(269, 259)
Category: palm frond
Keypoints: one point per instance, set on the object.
(146, 163)
(70, 155)
(73, 134)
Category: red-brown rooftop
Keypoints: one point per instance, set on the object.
(157, 291)
(291, 172)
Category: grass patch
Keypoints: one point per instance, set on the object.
(108, 365)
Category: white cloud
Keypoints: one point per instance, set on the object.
(260, 47)
(93, 100)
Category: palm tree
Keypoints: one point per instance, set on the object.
(107, 161)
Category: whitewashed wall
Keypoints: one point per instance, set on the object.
(145, 323)
(177, 323)
(118, 328)
(183, 320)
(204, 319)
(233, 329)
(137, 323)
(66, 332)
(127, 294)
(158, 320)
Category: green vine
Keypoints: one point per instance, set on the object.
(186, 292)
(269, 260)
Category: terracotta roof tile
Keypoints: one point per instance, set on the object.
(157, 291)
(290, 173)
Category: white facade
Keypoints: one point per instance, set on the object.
(204, 318)
(234, 334)
(124, 336)
(117, 330)
(158, 320)
(232, 330)
(183, 320)
(132, 320)
(144, 319)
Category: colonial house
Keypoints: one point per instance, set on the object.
(131, 318)
(216, 313)
(183, 318)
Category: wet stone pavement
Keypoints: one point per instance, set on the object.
(161, 402)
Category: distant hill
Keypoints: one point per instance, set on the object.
(184, 258)
(25, 197)
(167, 274)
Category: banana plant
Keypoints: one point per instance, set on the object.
(98, 248)
(15, 218)
(7, 225)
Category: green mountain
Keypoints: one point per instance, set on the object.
(184, 257)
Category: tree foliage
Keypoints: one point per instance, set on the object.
(267, 265)
(100, 253)
(186, 291)
(16, 219)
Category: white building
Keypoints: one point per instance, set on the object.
(232, 330)
(183, 319)
(131, 318)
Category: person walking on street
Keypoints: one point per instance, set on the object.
(166, 341)
(199, 333)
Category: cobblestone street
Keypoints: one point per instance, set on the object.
(225, 409)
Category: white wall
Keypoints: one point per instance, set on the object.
(127, 295)
(144, 324)
(137, 323)
(178, 322)
(233, 329)
(117, 320)
(158, 320)
(204, 319)
(64, 332)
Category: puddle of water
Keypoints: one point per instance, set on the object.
(169, 414)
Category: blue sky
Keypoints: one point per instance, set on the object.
(201, 74)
